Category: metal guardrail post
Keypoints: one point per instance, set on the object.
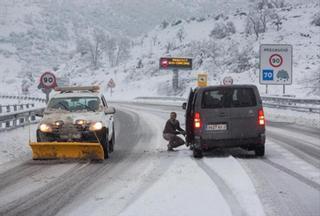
(0, 109)
(21, 120)
(8, 108)
(33, 117)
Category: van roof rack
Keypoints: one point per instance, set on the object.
(69, 89)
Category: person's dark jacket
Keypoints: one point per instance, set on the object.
(173, 127)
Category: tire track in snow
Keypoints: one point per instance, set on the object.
(15, 174)
(51, 198)
(225, 191)
(293, 174)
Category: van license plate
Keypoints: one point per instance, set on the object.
(216, 127)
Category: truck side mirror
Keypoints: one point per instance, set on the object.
(110, 110)
(39, 114)
(184, 105)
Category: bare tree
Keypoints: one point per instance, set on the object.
(257, 22)
(99, 40)
(278, 3)
(122, 50)
(169, 46)
(154, 40)
(181, 34)
(276, 20)
(111, 46)
(94, 46)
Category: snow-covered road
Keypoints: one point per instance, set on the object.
(142, 178)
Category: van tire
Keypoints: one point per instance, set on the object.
(259, 151)
(197, 153)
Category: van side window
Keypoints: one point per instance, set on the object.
(243, 97)
(228, 97)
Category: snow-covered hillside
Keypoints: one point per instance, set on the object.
(221, 45)
(233, 53)
(43, 35)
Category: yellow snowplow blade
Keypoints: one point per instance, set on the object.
(66, 150)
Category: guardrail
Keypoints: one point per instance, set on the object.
(23, 98)
(17, 119)
(297, 104)
(15, 107)
(162, 98)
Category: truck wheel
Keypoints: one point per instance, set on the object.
(113, 140)
(259, 151)
(197, 153)
(103, 138)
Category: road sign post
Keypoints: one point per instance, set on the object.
(175, 64)
(227, 80)
(48, 81)
(275, 65)
(175, 79)
(111, 85)
(202, 80)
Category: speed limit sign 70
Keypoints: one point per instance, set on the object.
(48, 80)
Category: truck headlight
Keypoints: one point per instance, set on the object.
(81, 122)
(58, 123)
(45, 128)
(95, 126)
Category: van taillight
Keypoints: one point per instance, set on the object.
(197, 120)
(261, 120)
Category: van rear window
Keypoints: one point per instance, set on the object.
(228, 97)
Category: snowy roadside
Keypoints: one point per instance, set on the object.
(14, 143)
(187, 187)
(300, 118)
(272, 114)
(174, 183)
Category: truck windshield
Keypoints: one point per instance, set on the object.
(228, 97)
(74, 104)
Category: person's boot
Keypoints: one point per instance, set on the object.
(169, 148)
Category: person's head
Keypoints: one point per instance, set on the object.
(173, 115)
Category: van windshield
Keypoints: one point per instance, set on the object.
(228, 97)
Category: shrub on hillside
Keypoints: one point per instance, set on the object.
(222, 30)
(316, 19)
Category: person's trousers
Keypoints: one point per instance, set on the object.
(174, 140)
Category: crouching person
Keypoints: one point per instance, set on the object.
(171, 130)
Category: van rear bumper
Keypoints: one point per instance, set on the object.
(225, 143)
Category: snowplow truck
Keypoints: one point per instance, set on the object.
(77, 124)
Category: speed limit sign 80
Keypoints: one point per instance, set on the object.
(48, 80)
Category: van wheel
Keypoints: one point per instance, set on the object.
(259, 151)
(197, 153)
(191, 147)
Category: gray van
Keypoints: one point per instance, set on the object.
(225, 116)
